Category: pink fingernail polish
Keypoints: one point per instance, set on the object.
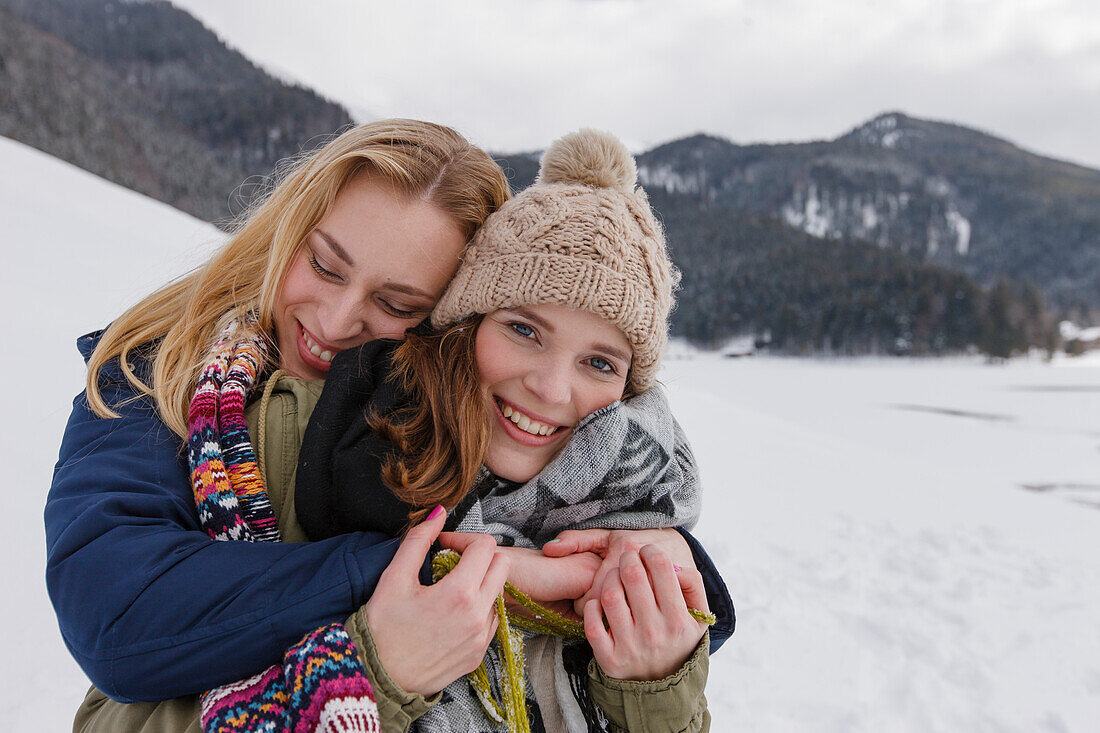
(435, 512)
(677, 568)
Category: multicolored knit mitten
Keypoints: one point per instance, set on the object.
(321, 687)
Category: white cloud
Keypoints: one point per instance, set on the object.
(513, 75)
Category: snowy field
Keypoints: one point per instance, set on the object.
(911, 545)
(891, 567)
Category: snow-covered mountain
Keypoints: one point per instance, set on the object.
(941, 192)
(912, 545)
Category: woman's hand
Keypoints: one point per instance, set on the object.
(553, 582)
(649, 633)
(429, 636)
(610, 544)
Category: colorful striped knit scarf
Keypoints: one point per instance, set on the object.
(321, 685)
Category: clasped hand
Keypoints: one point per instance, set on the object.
(632, 587)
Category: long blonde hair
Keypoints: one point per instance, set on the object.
(179, 322)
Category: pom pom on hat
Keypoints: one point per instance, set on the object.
(589, 158)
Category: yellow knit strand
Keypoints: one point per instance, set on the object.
(513, 710)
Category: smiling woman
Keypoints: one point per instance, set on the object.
(355, 241)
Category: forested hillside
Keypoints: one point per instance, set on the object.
(146, 96)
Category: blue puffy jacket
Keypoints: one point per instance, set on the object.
(149, 605)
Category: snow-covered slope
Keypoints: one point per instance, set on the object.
(912, 545)
(77, 250)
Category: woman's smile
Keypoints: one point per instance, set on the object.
(313, 351)
(525, 429)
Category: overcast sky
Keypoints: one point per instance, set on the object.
(514, 74)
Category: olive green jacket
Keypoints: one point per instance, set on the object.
(277, 422)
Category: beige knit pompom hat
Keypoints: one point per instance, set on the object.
(583, 236)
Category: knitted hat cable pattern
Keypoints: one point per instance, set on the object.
(321, 684)
(583, 236)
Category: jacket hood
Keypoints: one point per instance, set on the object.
(112, 371)
(86, 344)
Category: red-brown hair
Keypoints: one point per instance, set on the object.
(441, 439)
